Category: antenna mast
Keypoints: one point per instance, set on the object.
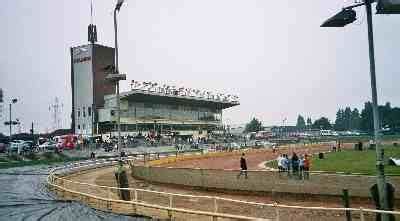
(56, 110)
(92, 29)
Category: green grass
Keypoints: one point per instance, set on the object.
(352, 161)
(47, 159)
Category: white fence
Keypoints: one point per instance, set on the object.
(185, 206)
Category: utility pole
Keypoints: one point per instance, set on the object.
(10, 121)
(116, 76)
(32, 132)
(117, 83)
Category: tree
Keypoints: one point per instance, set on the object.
(253, 126)
(384, 114)
(355, 120)
(301, 124)
(322, 123)
(394, 118)
(309, 121)
(347, 118)
(339, 122)
(367, 123)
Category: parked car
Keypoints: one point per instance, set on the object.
(49, 145)
(28, 146)
(16, 146)
(108, 147)
(3, 147)
(235, 146)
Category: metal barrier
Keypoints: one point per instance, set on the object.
(170, 205)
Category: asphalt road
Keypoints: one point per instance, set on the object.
(24, 197)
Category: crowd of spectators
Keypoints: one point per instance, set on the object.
(295, 166)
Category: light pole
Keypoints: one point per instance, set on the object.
(347, 16)
(13, 101)
(116, 76)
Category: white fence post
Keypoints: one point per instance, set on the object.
(108, 198)
(215, 205)
(276, 211)
(136, 195)
(361, 214)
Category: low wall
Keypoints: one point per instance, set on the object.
(263, 181)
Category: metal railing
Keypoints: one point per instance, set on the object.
(199, 205)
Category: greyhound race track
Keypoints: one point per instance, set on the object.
(254, 159)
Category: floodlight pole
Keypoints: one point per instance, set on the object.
(117, 82)
(13, 101)
(381, 182)
(10, 121)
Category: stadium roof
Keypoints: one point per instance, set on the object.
(154, 97)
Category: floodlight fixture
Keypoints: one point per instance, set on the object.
(341, 19)
(119, 4)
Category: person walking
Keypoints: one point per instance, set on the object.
(295, 163)
(285, 163)
(280, 163)
(301, 167)
(306, 167)
(243, 167)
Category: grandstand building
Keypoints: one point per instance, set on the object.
(165, 110)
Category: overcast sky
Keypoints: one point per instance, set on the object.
(273, 54)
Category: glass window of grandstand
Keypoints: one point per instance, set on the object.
(89, 111)
(79, 113)
(84, 111)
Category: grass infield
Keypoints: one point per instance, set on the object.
(353, 161)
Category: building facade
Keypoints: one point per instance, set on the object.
(88, 63)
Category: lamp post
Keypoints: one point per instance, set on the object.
(116, 76)
(13, 101)
(347, 16)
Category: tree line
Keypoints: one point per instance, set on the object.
(348, 119)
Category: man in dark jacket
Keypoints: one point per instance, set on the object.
(243, 167)
(122, 181)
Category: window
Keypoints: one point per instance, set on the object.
(79, 127)
(79, 112)
(83, 126)
(84, 112)
(89, 111)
